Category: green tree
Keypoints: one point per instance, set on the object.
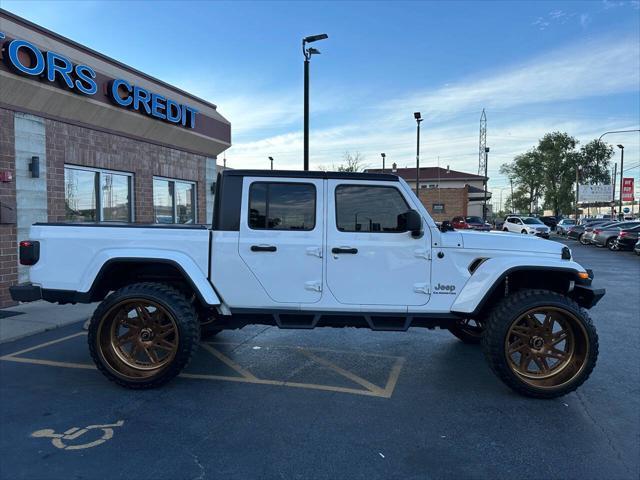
(558, 160)
(525, 172)
(594, 162)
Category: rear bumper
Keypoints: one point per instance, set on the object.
(27, 292)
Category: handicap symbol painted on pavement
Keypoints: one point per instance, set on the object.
(75, 432)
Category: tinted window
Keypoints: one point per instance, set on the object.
(369, 209)
(532, 221)
(474, 220)
(282, 206)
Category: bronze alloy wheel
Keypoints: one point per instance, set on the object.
(546, 347)
(137, 338)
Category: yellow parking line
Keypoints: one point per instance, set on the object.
(42, 345)
(372, 390)
(341, 371)
(226, 360)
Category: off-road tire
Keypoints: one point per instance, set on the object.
(183, 316)
(468, 336)
(512, 308)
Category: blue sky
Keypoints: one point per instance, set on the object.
(535, 66)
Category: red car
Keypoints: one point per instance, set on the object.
(470, 223)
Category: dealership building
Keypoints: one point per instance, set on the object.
(85, 138)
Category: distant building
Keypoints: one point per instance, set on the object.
(444, 192)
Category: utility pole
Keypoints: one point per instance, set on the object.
(511, 181)
(307, 52)
(419, 119)
(271, 160)
(613, 183)
(577, 190)
(483, 143)
(621, 147)
(486, 162)
(383, 158)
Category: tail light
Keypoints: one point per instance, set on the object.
(29, 252)
(623, 234)
(597, 231)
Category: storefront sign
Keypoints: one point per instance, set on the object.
(627, 189)
(595, 193)
(24, 58)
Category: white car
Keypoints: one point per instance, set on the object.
(526, 226)
(317, 249)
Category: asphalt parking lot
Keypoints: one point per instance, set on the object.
(328, 403)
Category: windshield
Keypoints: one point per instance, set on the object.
(474, 220)
(568, 222)
(532, 221)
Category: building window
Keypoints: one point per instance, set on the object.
(369, 209)
(93, 195)
(174, 201)
(282, 206)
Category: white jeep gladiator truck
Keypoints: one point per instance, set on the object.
(317, 249)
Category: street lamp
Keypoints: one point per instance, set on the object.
(384, 155)
(621, 147)
(484, 206)
(307, 52)
(271, 159)
(578, 170)
(419, 119)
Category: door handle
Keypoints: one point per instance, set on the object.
(353, 251)
(263, 248)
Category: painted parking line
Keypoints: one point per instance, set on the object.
(313, 354)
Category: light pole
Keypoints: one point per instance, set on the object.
(578, 169)
(484, 206)
(271, 160)
(384, 155)
(419, 119)
(621, 147)
(307, 52)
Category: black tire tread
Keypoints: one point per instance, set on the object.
(185, 316)
(493, 340)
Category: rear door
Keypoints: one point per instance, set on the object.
(371, 258)
(281, 233)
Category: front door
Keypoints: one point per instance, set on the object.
(371, 258)
(281, 232)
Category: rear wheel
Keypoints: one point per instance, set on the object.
(143, 335)
(469, 330)
(523, 231)
(611, 244)
(505, 229)
(582, 240)
(540, 343)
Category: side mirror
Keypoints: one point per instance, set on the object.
(446, 226)
(411, 221)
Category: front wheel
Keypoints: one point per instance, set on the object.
(143, 335)
(540, 343)
(524, 231)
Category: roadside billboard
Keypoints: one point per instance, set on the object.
(595, 193)
(627, 189)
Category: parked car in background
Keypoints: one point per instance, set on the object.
(636, 249)
(587, 236)
(550, 221)
(576, 232)
(470, 223)
(526, 225)
(627, 238)
(563, 226)
(606, 237)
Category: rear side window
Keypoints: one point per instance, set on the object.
(282, 206)
(369, 209)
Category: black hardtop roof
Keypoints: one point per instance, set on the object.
(306, 174)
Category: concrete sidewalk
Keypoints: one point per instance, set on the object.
(38, 317)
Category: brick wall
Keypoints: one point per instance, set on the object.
(8, 240)
(70, 144)
(455, 202)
